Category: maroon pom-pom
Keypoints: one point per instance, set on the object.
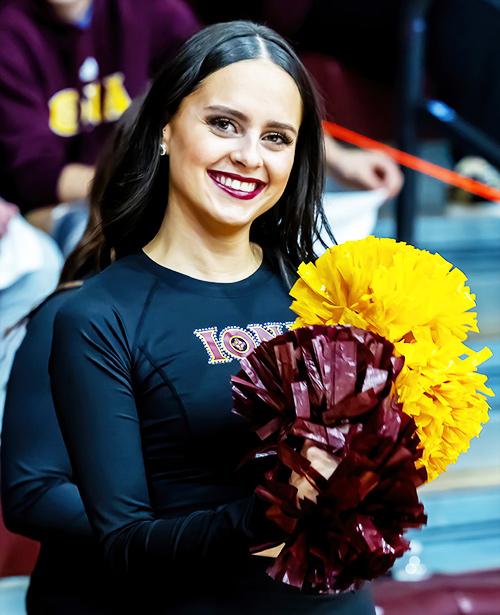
(332, 388)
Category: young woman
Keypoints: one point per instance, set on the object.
(213, 201)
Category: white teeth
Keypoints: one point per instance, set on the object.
(236, 184)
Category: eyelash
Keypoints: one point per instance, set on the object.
(286, 140)
(216, 123)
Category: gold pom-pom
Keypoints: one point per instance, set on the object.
(420, 303)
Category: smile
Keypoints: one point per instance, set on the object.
(237, 186)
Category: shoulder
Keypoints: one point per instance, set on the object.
(47, 310)
(17, 21)
(13, 12)
(173, 19)
(22, 38)
(125, 282)
(113, 299)
(40, 321)
(33, 351)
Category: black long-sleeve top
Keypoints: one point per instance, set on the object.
(39, 496)
(140, 367)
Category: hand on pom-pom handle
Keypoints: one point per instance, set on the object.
(322, 462)
(343, 485)
(272, 552)
(325, 464)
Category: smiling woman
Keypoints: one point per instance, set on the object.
(212, 200)
(236, 102)
(231, 147)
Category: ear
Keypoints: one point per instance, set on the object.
(167, 135)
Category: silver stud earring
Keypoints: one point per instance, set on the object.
(163, 149)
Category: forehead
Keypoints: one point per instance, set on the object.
(258, 88)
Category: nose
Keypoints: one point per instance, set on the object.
(246, 152)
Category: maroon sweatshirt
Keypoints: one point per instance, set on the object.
(63, 85)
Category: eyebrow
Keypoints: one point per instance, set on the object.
(241, 116)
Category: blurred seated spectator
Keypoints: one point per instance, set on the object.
(68, 70)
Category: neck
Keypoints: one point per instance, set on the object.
(189, 247)
(71, 12)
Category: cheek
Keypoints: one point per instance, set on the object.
(282, 167)
(203, 150)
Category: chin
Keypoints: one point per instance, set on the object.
(234, 223)
(234, 215)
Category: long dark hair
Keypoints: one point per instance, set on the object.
(135, 197)
(92, 252)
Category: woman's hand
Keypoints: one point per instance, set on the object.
(272, 552)
(324, 463)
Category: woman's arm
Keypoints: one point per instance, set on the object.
(39, 497)
(91, 371)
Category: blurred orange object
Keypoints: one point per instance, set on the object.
(413, 162)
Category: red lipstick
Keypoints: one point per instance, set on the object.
(218, 177)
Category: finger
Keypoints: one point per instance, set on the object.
(367, 178)
(373, 181)
(389, 173)
(322, 461)
(398, 181)
(304, 488)
(272, 552)
(393, 179)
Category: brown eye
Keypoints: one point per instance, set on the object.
(278, 138)
(222, 124)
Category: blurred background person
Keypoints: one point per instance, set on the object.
(39, 497)
(68, 70)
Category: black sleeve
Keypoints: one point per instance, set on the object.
(91, 371)
(39, 496)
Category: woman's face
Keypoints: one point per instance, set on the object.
(232, 143)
